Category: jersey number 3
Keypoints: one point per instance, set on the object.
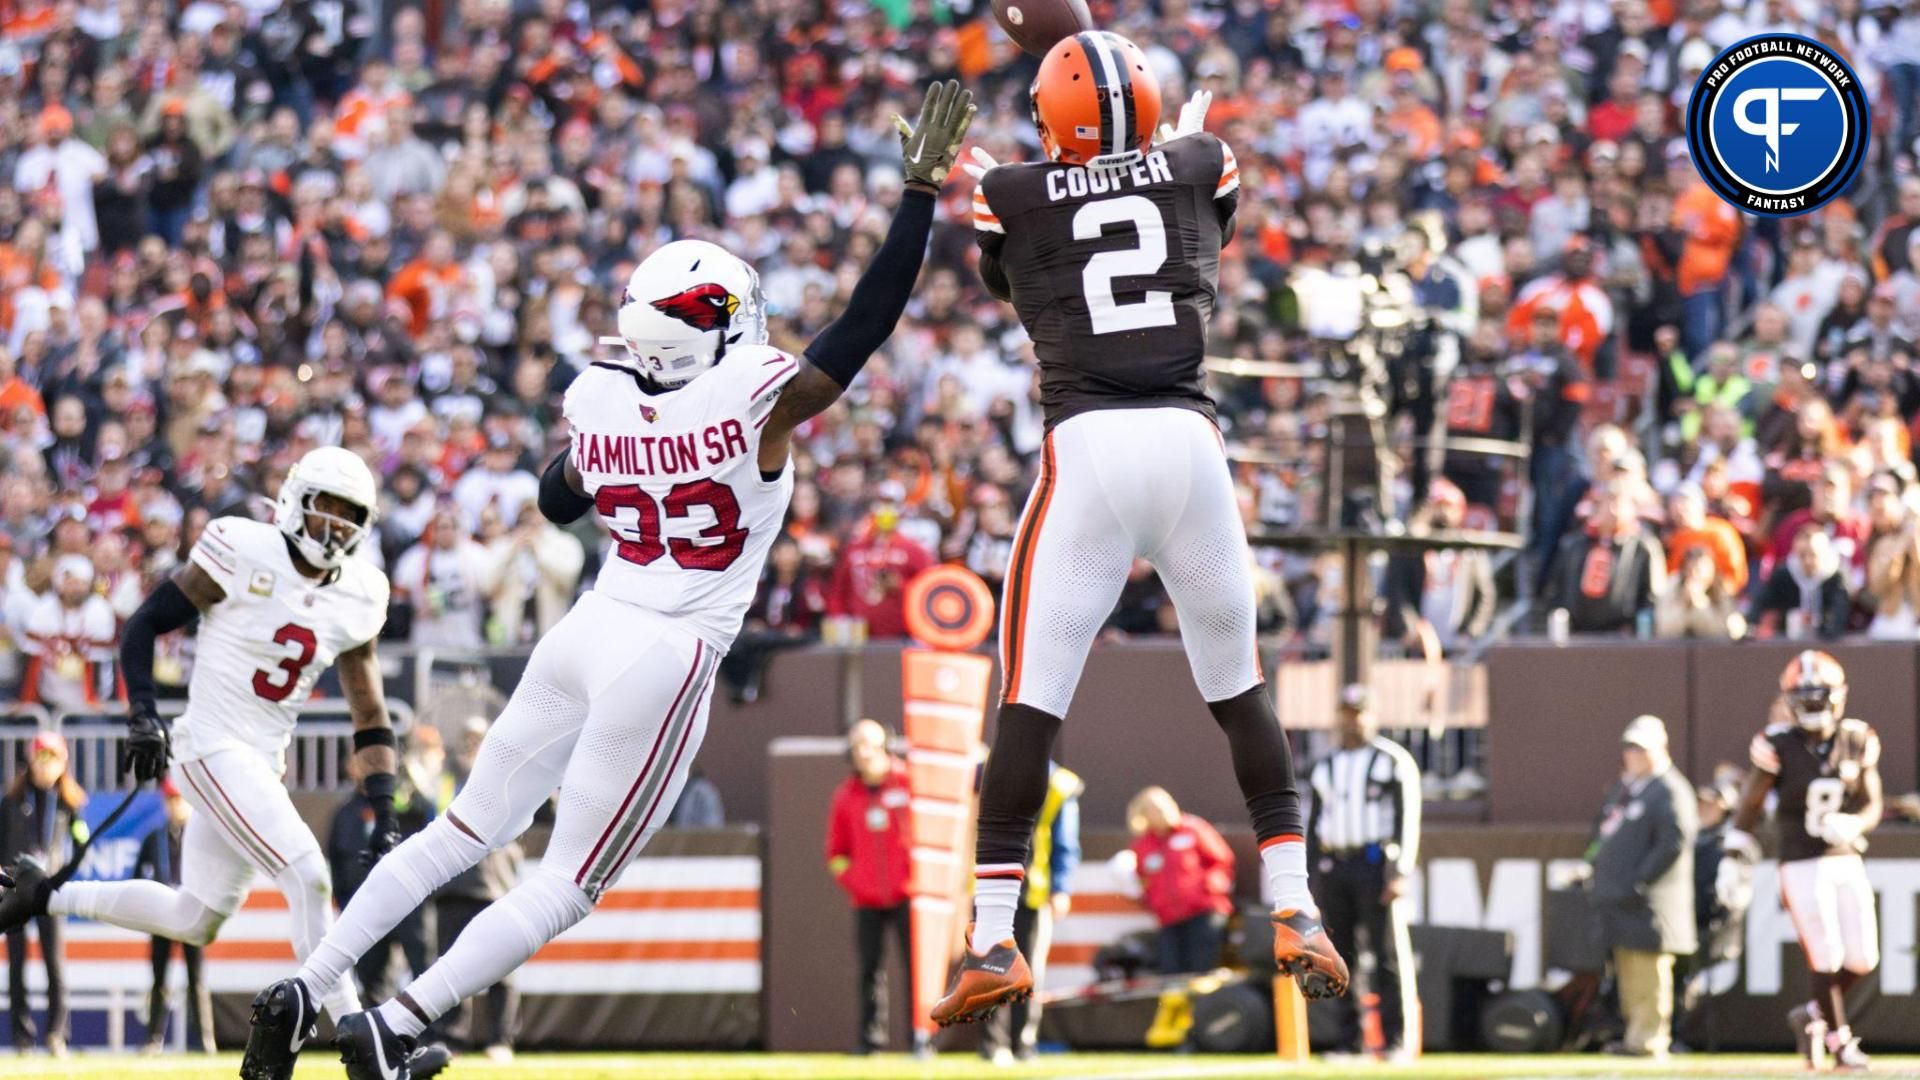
(640, 543)
(268, 685)
(1155, 308)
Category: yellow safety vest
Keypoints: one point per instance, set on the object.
(1061, 786)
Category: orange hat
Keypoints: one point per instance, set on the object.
(1404, 58)
(174, 107)
(56, 120)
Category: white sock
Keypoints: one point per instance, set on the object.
(402, 1020)
(1285, 861)
(146, 906)
(498, 941)
(308, 886)
(994, 901)
(399, 883)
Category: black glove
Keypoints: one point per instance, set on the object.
(148, 745)
(386, 827)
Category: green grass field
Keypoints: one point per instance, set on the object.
(956, 1066)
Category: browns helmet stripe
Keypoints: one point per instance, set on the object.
(1116, 89)
(1103, 78)
(1123, 133)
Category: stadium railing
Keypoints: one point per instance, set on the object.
(316, 759)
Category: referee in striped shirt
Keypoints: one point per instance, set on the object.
(1362, 838)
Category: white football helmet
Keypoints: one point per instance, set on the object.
(685, 306)
(327, 470)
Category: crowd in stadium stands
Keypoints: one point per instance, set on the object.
(230, 232)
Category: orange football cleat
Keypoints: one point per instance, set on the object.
(1301, 949)
(984, 983)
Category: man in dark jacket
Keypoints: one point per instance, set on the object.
(1612, 570)
(1806, 595)
(347, 838)
(867, 852)
(40, 817)
(160, 861)
(461, 900)
(1643, 883)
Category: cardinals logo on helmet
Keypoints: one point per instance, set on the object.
(703, 307)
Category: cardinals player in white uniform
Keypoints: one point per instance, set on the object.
(682, 451)
(277, 604)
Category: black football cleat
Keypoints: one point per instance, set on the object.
(429, 1061)
(25, 895)
(284, 1018)
(371, 1050)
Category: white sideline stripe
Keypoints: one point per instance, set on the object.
(1099, 929)
(1067, 977)
(1097, 877)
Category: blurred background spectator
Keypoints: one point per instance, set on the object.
(1186, 880)
(346, 845)
(466, 896)
(159, 861)
(40, 817)
(1046, 896)
(1642, 891)
(868, 854)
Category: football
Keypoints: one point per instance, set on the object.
(1037, 25)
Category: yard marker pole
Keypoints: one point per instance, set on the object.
(949, 611)
(1290, 1020)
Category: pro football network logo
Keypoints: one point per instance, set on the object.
(1778, 125)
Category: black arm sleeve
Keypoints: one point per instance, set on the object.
(993, 273)
(843, 348)
(559, 503)
(165, 609)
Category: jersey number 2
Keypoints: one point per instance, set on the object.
(1090, 223)
(293, 667)
(641, 544)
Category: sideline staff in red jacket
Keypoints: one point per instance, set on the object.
(867, 851)
(1186, 880)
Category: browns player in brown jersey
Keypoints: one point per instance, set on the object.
(1109, 250)
(1824, 770)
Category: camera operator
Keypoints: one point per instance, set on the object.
(1446, 304)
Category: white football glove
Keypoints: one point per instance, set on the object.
(1733, 884)
(1843, 830)
(977, 162)
(1193, 117)
(1742, 846)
